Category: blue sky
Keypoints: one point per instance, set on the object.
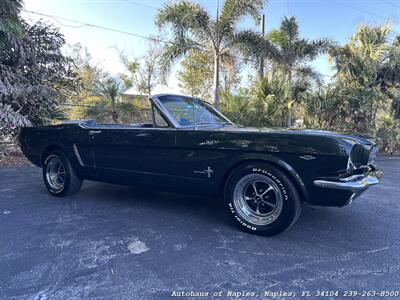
(336, 19)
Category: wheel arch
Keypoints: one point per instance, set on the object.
(275, 162)
(52, 147)
(47, 150)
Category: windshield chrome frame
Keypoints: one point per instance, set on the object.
(154, 99)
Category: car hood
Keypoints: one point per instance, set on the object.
(364, 140)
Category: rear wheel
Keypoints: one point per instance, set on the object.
(262, 199)
(59, 176)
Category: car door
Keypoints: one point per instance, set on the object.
(203, 160)
(132, 155)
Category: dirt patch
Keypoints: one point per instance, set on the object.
(11, 155)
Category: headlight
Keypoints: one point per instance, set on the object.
(358, 157)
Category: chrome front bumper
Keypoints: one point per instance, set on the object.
(356, 184)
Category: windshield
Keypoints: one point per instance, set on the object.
(189, 111)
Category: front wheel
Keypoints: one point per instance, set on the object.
(262, 199)
(59, 176)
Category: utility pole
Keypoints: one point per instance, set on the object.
(216, 67)
(262, 24)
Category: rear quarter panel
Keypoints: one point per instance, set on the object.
(36, 140)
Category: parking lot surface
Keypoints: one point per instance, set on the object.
(116, 242)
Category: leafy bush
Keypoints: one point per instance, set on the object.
(388, 135)
(35, 77)
(101, 110)
(236, 108)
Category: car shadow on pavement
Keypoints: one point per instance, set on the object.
(315, 223)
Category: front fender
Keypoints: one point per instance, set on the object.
(274, 160)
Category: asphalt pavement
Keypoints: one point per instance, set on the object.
(116, 242)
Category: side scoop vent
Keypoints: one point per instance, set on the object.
(78, 156)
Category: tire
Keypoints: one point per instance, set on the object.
(59, 176)
(262, 199)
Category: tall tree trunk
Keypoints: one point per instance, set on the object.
(290, 96)
(216, 81)
(149, 82)
(114, 113)
(374, 109)
(114, 116)
(261, 71)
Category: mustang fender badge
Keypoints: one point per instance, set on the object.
(307, 157)
(208, 171)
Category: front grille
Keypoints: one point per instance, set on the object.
(359, 155)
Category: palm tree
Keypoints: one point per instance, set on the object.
(288, 53)
(110, 89)
(366, 66)
(194, 29)
(360, 59)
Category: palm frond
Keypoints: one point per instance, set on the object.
(234, 10)
(172, 53)
(308, 72)
(314, 48)
(10, 7)
(290, 31)
(299, 88)
(253, 46)
(371, 41)
(186, 18)
(9, 19)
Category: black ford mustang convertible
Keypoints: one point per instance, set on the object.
(264, 175)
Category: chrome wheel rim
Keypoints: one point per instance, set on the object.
(258, 199)
(55, 173)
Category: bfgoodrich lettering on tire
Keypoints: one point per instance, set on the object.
(262, 199)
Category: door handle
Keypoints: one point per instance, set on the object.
(93, 132)
(142, 134)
